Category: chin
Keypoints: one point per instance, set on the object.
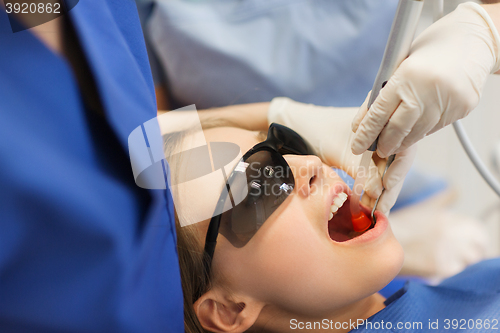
(396, 251)
(376, 267)
(389, 261)
(378, 263)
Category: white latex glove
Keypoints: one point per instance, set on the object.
(440, 82)
(328, 130)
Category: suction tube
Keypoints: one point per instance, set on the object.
(474, 157)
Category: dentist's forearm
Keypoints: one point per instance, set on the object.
(252, 116)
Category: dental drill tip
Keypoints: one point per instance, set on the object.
(360, 222)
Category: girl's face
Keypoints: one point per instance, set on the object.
(298, 260)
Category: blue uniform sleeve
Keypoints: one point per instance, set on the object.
(323, 52)
(82, 248)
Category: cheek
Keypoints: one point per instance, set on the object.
(375, 264)
(293, 266)
(306, 275)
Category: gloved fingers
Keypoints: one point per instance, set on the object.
(419, 131)
(394, 178)
(363, 109)
(399, 126)
(376, 117)
(448, 118)
(399, 168)
(368, 201)
(373, 185)
(389, 198)
(436, 128)
(420, 127)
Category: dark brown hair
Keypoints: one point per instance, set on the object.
(190, 238)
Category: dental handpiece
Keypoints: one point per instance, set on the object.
(397, 49)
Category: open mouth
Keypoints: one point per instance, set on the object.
(340, 226)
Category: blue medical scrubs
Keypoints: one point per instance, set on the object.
(218, 53)
(471, 297)
(82, 248)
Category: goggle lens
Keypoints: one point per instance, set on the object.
(269, 181)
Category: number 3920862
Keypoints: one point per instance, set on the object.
(33, 8)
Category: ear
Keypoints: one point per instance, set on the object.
(220, 311)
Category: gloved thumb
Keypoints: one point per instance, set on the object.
(388, 199)
(373, 185)
(394, 178)
(399, 168)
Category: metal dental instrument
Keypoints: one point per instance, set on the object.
(397, 49)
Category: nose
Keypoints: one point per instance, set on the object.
(307, 171)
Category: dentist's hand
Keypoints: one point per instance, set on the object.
(328, 130)
(440, 82)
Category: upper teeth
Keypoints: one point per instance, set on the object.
(337, 203)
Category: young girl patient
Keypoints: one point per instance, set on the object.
(286, 257)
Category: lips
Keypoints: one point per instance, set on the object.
(340, 226)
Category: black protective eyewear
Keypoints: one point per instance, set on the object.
(257, 186)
